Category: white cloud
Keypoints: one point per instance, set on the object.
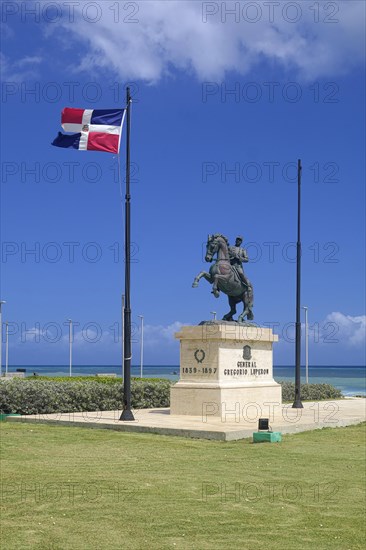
(32, 334)
(22, 69)
(161, 335)
(96, 345)
(335, 328)
(29, 61)
(348, 329)
(174, 35)
(6, 31)
(93, 335)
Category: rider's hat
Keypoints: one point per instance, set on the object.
(239, 237)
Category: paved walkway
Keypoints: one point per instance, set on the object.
(237, 424)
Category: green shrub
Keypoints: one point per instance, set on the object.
(35, 396)
(87, 378)
(310, 392)
(32, 396)
(68, 379)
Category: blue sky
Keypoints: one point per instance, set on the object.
(224, 105)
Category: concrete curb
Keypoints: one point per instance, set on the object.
(314, 416)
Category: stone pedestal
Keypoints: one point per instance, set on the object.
(225, 369)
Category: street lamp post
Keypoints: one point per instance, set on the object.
(142, 346)
(306, 345)
(7, 349)
(70, 347)
(1, 339)
(123, 332)
(127, 414)
(297, 404)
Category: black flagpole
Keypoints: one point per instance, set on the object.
(127, 413)
(297, 402)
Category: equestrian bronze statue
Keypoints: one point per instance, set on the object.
(226, 274)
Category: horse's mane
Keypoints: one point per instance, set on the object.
(219, 235)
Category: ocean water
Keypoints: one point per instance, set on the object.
(350, 380)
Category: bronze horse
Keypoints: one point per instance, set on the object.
(223, 276)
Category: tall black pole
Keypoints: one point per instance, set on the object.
(127, 413)
(297, 402)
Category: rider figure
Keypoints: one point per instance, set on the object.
(238, 255)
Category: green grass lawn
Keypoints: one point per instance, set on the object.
(73, 488)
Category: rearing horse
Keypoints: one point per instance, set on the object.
(223, 276)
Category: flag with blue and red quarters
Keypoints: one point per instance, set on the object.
(96, 129)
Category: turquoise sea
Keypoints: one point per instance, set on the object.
(349, 379)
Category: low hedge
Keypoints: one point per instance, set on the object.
(34, 396)
(91, 378)
(310, 392)
(99, 379)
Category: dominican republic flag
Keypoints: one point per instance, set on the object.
(97, 129)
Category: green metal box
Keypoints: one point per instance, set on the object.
(271, 437)
(3, 417)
